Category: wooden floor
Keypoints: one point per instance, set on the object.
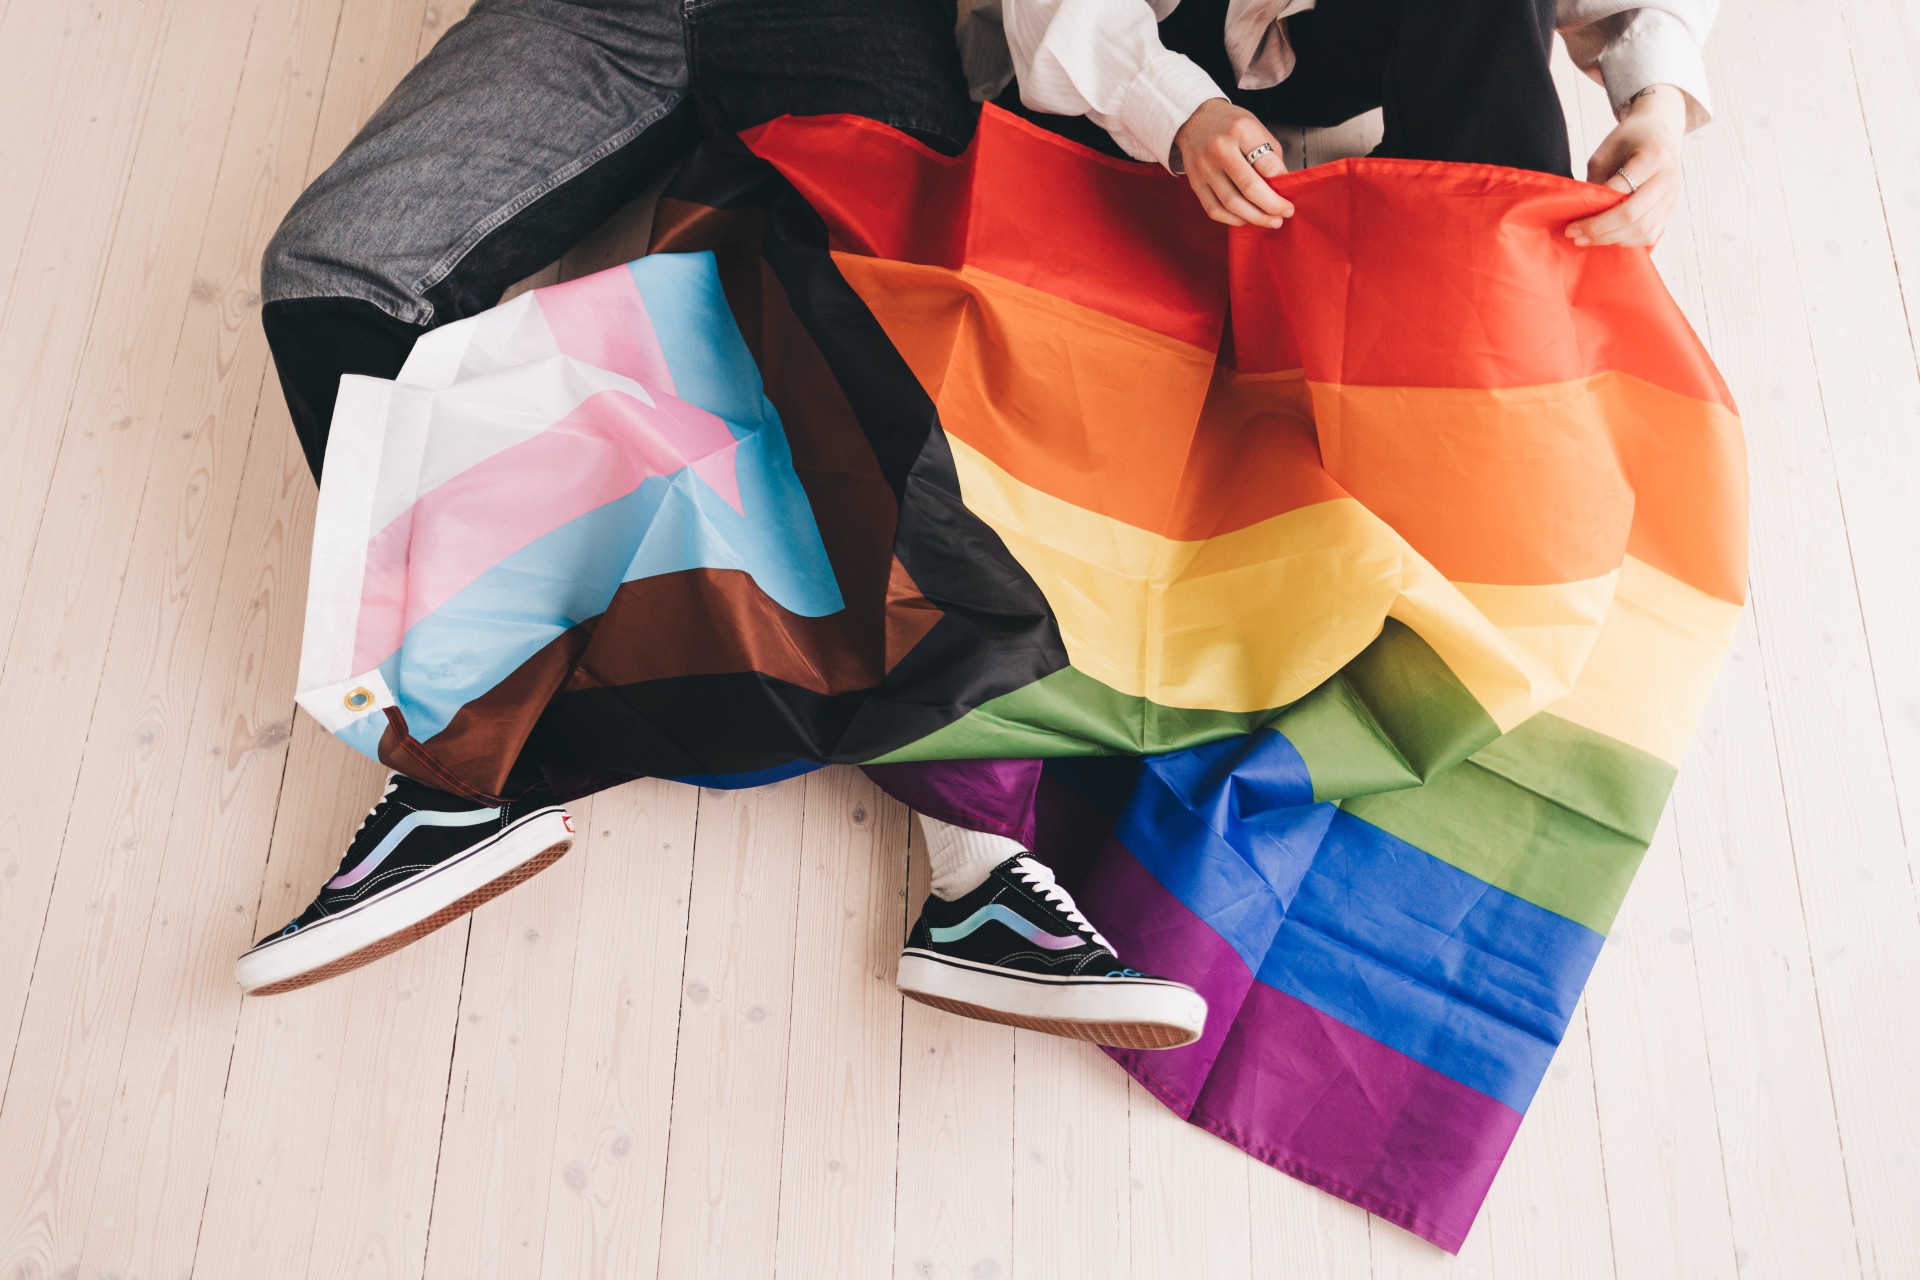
(679, 1052)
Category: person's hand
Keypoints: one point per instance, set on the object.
(1646, 145)
(1212, 146)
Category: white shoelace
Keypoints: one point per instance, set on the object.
(1040, 876)
(393, 784)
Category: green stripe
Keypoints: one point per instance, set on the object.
(1069, 713)
(1553, 813)
(1394, 715)
(1616, 785)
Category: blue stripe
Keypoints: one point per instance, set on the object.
(777, 540)
(1460, 976)
(758, 778)
(404, 828)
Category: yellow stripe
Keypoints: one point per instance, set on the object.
(1257, 617)
(1654, 664)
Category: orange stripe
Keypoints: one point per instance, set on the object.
(1547, 484)
(1100, 413)
(1519, 485)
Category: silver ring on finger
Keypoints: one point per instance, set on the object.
(1632, 186)
(1265, 148)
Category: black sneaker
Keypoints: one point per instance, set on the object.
(423, 858)
(1016, 950)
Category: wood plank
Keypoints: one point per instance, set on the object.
(1883, 40)
(373, 1213)
(1548, 1210)
(160, 1153)
(605, 1185)
(1666, 1187)
(109, 840)
(953, 1218)
(1190, 1213)
(277, 1120)
(837, 1173)
(145, 1215)
(729, 1093)
(41, 46)
(1298, 1230)
(1401, 1255)
(496, 1151)
(1780, 1146)
(1856, 871)
(39, 353)
(1072, 1190)
(377, 1182)
(48, 310)
(288, 1054)
(1786, 357)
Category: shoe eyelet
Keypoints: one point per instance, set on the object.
(359, 700)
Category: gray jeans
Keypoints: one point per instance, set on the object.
(533, 120)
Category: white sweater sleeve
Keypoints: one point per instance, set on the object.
(1626, 49)
(1103, 59)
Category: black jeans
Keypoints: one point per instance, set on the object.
(1466, 80)
(534, 120)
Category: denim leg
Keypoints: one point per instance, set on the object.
(526, 126)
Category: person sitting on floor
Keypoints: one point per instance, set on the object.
(526, 126)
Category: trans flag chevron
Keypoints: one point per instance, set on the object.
(1360, 582)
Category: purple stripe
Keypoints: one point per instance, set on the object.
(995, 796)
(1154, 932)
(1298, 1089)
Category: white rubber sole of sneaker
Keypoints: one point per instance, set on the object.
(390, 920)
(1127, 1013)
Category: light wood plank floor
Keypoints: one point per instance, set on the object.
(679, 1052)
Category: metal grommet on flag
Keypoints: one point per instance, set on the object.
(358, 699)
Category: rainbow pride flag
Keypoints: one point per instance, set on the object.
(1403, 544)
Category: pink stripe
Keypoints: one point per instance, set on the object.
(452, 534)
(1291, 1086)
(602, 320)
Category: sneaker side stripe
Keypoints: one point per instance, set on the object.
(1019, 924)
(401, 830)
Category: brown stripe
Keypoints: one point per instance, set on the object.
(717, 621)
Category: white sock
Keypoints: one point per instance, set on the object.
(961, 860)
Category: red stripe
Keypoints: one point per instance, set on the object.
(1412, 273)
(1021, 203)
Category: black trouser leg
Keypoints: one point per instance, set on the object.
(1467, 81)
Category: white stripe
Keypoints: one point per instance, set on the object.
(340, 530)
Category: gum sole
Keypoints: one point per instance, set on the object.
(420, 929)
(1120, 1035)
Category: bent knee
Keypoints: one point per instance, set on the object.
(318, 253)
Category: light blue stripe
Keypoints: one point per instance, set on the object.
(1019, 924)
(776, 541)
(401, 830)
(668, 525)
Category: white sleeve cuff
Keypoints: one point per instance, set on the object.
(1655, 47)
(1166, 93)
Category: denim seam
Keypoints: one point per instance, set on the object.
(424, 312)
